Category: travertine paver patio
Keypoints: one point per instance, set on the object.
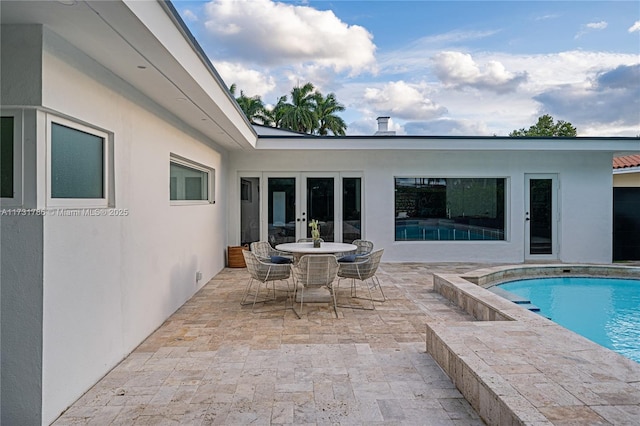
(214, 362)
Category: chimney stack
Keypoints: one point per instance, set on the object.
(383, 124)
(383, 127)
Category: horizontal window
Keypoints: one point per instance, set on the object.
(78, 164)
(189, 182)
(431, 209)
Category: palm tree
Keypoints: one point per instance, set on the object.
(308, 111)
(253, 107)
(299, 115)
(277, 111)
(328, 121)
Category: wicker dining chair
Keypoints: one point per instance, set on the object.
(315, 271)
(262, 272)
(363, 269)
(266, 253)
(364, 246)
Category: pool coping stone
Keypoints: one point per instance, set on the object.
(516, 367)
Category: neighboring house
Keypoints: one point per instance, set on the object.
(626, 207)
(130, 169)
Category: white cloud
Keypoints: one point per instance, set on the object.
(612, 97)
(568, 67)
(446, 126)
(635, 27)
(590, 27)
(401, 100)
(251, 82)
(456, 69)
(190, 15)
(597, 25)
(414, 57)
(453, 37)
(547, 17)
(271, 33)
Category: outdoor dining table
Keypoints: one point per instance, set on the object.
(300, 249)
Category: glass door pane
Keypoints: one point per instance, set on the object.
(540, 216)
(282, 210)
(249, 210)
(320, 205)
(351, 209)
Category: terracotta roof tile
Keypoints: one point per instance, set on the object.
(626, 161)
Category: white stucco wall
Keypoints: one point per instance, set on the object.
(21, 318)
(584, 231)
(110, 281)
(21, 274)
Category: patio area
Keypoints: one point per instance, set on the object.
(215, 362)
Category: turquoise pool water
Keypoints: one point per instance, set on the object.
(604, 310)
(444, 233)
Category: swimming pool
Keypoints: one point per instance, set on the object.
(604, 310)
(412, 232)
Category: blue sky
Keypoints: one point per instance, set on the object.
(436, 67)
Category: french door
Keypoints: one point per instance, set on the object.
(294, 199)
(541, 216)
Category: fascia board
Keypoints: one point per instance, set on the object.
(448, 144)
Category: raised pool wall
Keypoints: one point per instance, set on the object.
(516, 367)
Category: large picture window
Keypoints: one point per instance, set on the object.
(434, 208)
(189, 182)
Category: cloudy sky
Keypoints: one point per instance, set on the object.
(436, 67)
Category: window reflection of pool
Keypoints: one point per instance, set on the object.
(438, 230)
(604, 310)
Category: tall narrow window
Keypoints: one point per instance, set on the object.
(249, 209)
(189, 182)
(6, 157)
(351, 209)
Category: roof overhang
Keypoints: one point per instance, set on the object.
(146, 44)
(445, 143)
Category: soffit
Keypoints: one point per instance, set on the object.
(123, 40)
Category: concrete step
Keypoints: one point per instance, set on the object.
(519, 300)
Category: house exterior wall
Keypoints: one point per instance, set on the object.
(21, 319)
(21, 246)
(21, 64)
(584, 197)
(106, 282)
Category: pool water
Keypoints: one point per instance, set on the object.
(443, 233)
(604, 310)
